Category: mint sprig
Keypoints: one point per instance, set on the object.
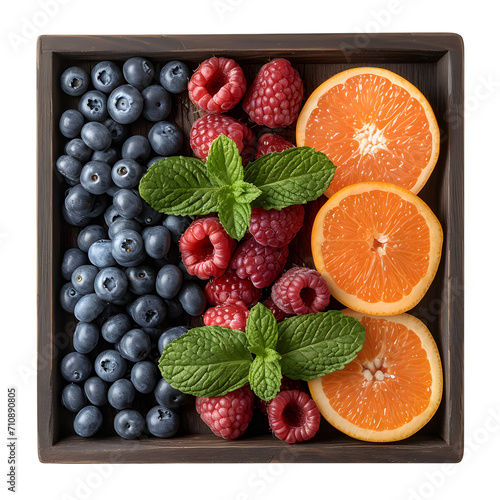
(187, 186)
(211, 361)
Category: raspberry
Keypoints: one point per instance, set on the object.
(276, 228)
(217, 85)
(277, 312)
(287, 384)
(293, 416)
(227, 416)
(207, 128)
(271, 143)
(260, 264)
(227, 316)
(275, 96)
(231, 289)
(206, 248)
(301, 291)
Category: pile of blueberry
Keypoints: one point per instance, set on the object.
(125, 283)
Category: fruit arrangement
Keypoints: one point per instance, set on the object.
(163, 238)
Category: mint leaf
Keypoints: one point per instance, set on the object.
(233, 215)
(265, 375)
(261, 329)
(224, 163)
(313, 345)
(244, 192)
(292, 177)
(207, 361)
(179, 186)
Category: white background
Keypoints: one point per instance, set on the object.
(476, 22)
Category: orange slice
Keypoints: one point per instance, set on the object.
(374, 126)
(392, 388)
(378, 247)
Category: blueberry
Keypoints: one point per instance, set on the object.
(115, 327)
(96, 391)
(156, 241)
(78, 200)
(169, 397)
(168, 281)
(70, 168)
(74, 81)
(85, 337)
(127, 247)
(157, 103)
(68, 297)
(96, 136)
(165, 138)
(75, 367)
(174, 76)
(148, 216)
(70, 123)
(136, 148)
(100, 205)
(119, 131)
(129, 424)
(162, 422)
(177, 225)
(78, 149)
(110, 366)
(173, 308)
(73, 397)
(125, 104)
(192, 299)
(100, 253)
(154, 160)
(88, 308)
(126, 173)
(110, 156)
(141, 279)
(93, 106)
(127, 203)
(169, 335)
(96, 177)
(148, 311)
(89, 235)
(111, 215)
(121, 224)
(138, 71)
(88, 421)
(75, 219)
(121, 394)
(134, 345)
(106, 76)
(110, 284)
(83, 278)
(143, 376)
(72, 258)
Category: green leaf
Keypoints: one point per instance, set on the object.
(245, 192)
(207, 361)
(224, 164)
(233, 215)
(265, 375)
(179, 186)
(262, 328)
(292, 177)
(313, 345)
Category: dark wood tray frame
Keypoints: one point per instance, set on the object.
(434, 63)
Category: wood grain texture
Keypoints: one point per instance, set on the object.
(432, 62)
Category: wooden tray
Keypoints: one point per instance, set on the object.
(432, 62)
